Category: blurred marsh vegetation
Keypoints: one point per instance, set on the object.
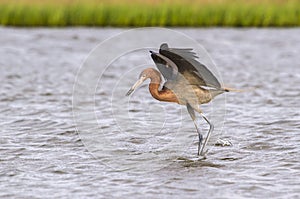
(138, 13)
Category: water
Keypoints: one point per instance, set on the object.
(43, 156)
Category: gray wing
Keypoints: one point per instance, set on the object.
(186, 61)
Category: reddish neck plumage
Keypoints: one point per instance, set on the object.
(165, 94)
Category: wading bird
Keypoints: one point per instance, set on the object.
(188, 82)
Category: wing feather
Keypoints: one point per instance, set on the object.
(187, 64)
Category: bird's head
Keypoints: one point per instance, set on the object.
(145, 74)
(149, 73)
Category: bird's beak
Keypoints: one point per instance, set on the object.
(135, 86)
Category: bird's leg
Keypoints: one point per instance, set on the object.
(211, 128)
(192, 114)
(200, 138)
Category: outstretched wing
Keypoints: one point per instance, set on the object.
(167, 68)
(185, 61)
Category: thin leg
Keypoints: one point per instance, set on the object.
(200, 137)
(192, 114)
(211, 128)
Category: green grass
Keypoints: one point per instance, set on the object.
(224, 13)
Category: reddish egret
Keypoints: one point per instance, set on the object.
(188, 82)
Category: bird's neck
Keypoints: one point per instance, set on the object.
(165, 94)
(155, 81)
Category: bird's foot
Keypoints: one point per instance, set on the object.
(203, 154)
(223, 142)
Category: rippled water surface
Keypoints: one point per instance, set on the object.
(42, 155)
